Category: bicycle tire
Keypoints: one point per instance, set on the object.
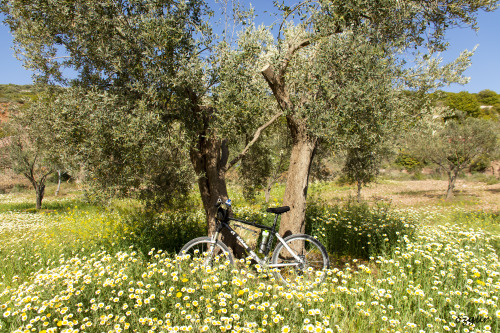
(313, 271)
(197, 250)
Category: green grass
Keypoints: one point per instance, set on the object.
(87, 268)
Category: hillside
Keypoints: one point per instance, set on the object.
(11, 94)
(4, 111)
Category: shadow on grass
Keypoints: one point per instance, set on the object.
(424, 193)
(433, 194)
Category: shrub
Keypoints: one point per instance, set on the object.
(358, 230)
(408, 162)
(167, 231)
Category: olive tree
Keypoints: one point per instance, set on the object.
(117, 147)
(455, 144)
(29, 151)
(310, 51)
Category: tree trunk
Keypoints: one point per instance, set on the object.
(360, 185)
(209, 158)
(40, 192)
(267, 192)
(58, 182)
(303, 147)
(301, 157)
(452, 177)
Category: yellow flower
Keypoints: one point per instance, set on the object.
(178, 295)
(480, 282)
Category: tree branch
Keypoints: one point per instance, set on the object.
(289, 53)
(250, 144)
(224, 154)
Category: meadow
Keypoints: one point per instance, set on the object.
(75, 267)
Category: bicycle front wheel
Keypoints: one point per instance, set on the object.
(202, 252)
(306, 265)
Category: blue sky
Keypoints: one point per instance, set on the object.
(484, 71)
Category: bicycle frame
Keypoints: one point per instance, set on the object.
(264, 262)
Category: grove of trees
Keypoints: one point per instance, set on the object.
(156, 86)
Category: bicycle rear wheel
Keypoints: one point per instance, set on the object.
(314, 258)
(196, 253)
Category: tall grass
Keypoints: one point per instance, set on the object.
(358, 230)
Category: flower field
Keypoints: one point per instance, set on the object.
(74, 270)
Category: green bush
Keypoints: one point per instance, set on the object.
(358, 230)
(408, 162)
(167, 231)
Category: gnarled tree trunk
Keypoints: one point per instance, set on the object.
(303, 149)
(209, 156)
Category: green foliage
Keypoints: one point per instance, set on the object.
(464, 102)
(255, 170)
(3, 133)
(480, 164)
(455, 145)
(488, 97)
(361, 166)
(31, 149)
(265, 162)
(167, 231)
(358, 230)
(124, 153)
(409, 162)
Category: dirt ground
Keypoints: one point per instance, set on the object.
(421, 193)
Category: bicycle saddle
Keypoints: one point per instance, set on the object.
(278, 210)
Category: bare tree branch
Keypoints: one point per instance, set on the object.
(250, 144)
(289, 54)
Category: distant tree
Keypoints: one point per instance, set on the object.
(31, 152)
(488, 97)
(464, 102)
(364, 155)
(361, 167)
(490, 104)
(127, 152)
(456, 144)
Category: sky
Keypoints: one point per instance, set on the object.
(484, 71)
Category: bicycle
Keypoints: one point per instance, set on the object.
(296, 258)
